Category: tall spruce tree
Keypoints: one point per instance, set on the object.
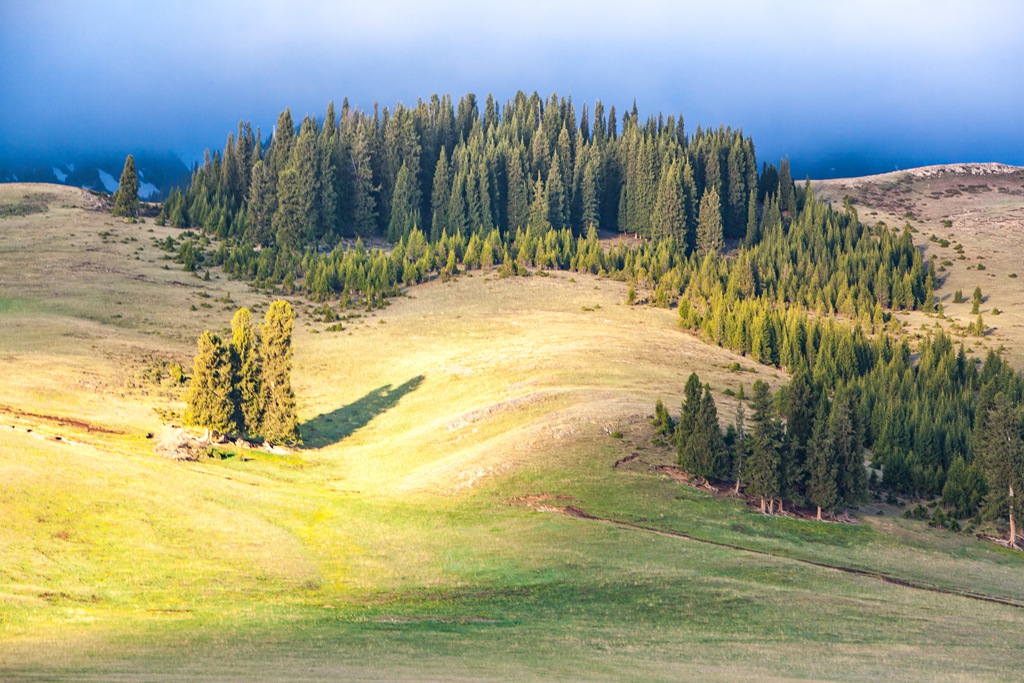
(405, 206)
(210, 395)
(822, 468)
(262, 206)
(799, 413)
(688, 417)
(703, 451)
(765, 448)
(126, 199)
(669, 218)
(845, 437)
(999, 450)
(247, 373)
(440, 196)
(709, 223)
(280, 423)
(740, 446)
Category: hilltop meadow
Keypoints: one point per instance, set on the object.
(455, 512)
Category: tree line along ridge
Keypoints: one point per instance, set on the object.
(805, 286)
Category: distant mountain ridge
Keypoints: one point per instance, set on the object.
(158, 173)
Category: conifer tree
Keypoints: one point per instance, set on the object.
(844, 435)
(262, 206)
(964, 489)
(405, 206)
(280, 423)
(976, 300)
(787, 191)
(439, 198)
(799, 413)
(126, 199)
(247, 372)
(554, 191)
(999, 450)
(540, 222)
(283, 142)
(669, 218)
(765, 447)
(702, 452)
(517, 212)
(663, 424)
(822, 468)
(210, 394)
(740, 444)
(709, 223)
(753, 225)
(688, 416)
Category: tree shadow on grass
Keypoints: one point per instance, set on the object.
(330, 428)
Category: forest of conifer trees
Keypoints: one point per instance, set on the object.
(805, 286)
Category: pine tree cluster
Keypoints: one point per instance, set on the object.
(243, 386)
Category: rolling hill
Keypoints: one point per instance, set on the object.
(460, 510)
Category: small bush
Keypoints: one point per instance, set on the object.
(616, 434)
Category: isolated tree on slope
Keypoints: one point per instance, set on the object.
(209, 397)
(280, 423)
(126, 199)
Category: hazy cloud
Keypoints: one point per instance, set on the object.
(914, 80)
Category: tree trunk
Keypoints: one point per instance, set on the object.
(1013, 523)
(771, 506)
(781, 511)
(737, 485)
(762, 505)
(819, 513)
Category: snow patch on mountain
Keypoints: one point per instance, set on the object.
(109, 184)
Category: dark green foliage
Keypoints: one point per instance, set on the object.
(822, 465)
(846, 441)
(247, 373)
(279, 423)
(740, 446)
(763, 463)
(999, 451)
(126, 199)
(405, 206)
(688, 416)
(811, 290)
(662, 422)
(262, 205)
(976, 300)
(210, 393)
(699, 443)
(965, 488)
(709, 224)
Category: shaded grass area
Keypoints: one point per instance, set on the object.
(328, 429)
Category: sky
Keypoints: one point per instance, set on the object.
(840, 86)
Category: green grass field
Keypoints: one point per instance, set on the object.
(417, 536)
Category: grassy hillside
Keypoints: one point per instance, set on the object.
(456, 514)
(970, 217)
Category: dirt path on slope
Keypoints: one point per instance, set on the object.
(578, 513)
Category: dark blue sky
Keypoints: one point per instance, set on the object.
(859, 85)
